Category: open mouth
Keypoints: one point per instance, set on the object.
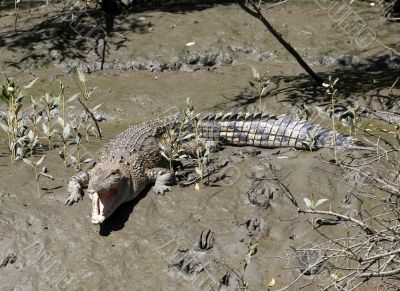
(102, 205)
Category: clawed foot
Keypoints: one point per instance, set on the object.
(73, 198)
(161, 183)
(161, 189)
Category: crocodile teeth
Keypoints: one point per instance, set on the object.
(96, 209)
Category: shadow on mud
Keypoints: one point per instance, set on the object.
(73, 32)
(371, 75)
(118, 219)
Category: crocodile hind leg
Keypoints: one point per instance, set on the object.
(74, 187)
(190, 147)
(162, 178)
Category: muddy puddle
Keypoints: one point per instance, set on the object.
(191, 239)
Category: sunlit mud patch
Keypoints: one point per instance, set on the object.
(102, 205)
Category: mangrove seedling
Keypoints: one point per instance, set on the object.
(35, 165)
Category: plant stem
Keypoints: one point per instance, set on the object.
(333, 120)
(37, 183)
(91, 114)
(78, 157)
(64, 124)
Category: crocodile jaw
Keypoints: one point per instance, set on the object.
(102, 206)
(97, 209)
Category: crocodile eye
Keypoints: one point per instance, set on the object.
(114, 173)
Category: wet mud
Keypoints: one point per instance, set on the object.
(189, 239)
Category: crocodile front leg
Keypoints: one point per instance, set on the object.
(74, 187)
(162, 178)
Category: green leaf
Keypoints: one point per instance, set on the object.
(38, 119)
(96, 107)
(53, 132)
(40, 161)
(31, 84)
(309, 204)
(165, 156)
(31, 135)
(45, 129)
(60, 121)
(320, 201)
(199, 171)
(34, 102)
(256, 74)
(66, 131)
(264, 92)
(56, 100)
(81, 75)
(72, 98)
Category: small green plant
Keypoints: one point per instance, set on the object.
(302, 112)
(331, 90)
(87, 94)
(63, 121)
(252, 250)
(14, 125)
(187, 131)
(33, 142)
(171, 147)
(76, 125)
(50, 102)
(202, 155)
(312, 205)
(35, 165)
(312, 141)
(261, 86)
(352, 119)
(35, 116)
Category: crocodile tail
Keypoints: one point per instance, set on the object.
(327, 138)
(269, 131)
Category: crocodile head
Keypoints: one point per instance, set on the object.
(108, 188)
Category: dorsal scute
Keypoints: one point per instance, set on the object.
(208, 116)
(240, 116)
(264, 115)
(227, 116)
(218, 116)
(248, 116)
(257, 115)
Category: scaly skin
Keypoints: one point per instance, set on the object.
(267, 131)
(133, 160)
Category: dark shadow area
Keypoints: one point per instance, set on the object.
(121, 215)
(75, 31)
(373, 75)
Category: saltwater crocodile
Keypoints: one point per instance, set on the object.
(133, 160)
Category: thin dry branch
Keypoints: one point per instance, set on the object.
(363, 226)
(256, 12)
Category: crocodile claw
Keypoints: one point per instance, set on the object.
(73, 198)
(161, 189)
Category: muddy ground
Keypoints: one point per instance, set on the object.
(143, 70)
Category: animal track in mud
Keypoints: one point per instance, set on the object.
(261, 196)
(309, 262)
(206, 240)
(10, 259)
(255, 226)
